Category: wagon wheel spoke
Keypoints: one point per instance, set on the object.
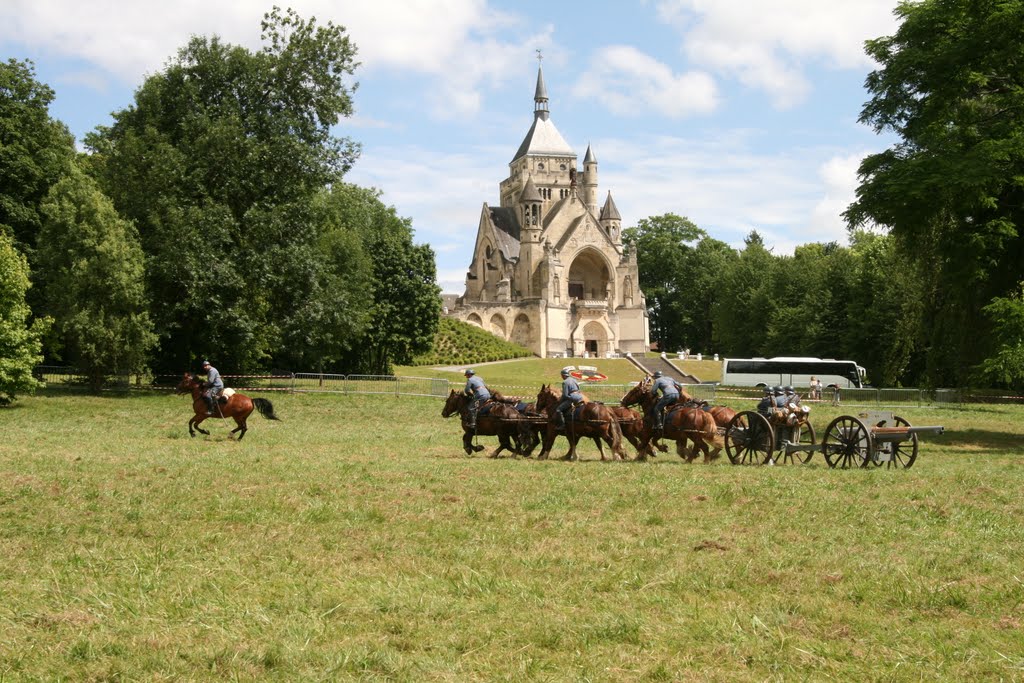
(807, 438)
(847, 443)
(904, 453)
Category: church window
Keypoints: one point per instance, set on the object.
(563, 167)
(540, 165)
(575, 290)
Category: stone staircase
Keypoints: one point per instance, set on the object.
(651, 365)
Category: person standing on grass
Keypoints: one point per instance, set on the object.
(214, 386)
(477, 390)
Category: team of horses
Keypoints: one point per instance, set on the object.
(521, 427)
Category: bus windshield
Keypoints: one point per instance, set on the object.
(795, 372)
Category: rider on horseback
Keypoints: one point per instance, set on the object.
(669, 389)
(214, 386)
(476, 388)
(571, 396)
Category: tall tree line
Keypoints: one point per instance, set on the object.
(861, 301)
(210, 219)
(931, 288)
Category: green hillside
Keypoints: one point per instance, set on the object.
(459, 343)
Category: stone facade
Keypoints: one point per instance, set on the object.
(549, 270)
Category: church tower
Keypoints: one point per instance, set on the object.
(549, 270)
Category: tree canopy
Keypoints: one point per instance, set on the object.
(94, 282)
(951, 191)
(219, 163)
(35, 150)
(20, 341)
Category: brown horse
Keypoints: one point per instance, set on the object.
(681, 425)
(595, 420)
(501, 420)
(722, 415)
(238, 406)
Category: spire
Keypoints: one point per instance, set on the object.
(540, 97)
(610, 212)
(589, 158)
(530, 193)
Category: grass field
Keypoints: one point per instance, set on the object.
(355, 541)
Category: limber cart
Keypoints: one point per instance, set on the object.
(877, 438)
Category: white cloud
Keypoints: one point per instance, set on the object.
(729, 188)
(839, 179)
(768, 45)
(629, 82)
(452, 42)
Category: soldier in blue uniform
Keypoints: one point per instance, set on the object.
(571, 396)
(780, 397)
(669, 389)
(475, 388)
(767, 403)
(214, 386)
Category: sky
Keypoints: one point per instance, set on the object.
(739, 114)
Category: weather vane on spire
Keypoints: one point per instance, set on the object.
(540, 57)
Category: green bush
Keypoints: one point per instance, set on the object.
(459, 343)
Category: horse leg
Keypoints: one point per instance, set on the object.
(467, 442)
(607, 438)
(191, 432)
(600, 446)
(571, 454)
(503, 445)
(197, 419)
(549, 441)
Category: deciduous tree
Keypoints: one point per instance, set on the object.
(94, 281)
(951, 191)
(218, 163)
(20, 341)
(35, 150)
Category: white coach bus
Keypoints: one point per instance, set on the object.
(795, 372)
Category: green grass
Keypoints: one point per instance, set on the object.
(354, 541)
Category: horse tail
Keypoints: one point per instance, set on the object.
(714, 436)
(266, 408)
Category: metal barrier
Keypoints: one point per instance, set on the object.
(310, 382)
(62, 377)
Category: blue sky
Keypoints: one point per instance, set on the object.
(739, 114)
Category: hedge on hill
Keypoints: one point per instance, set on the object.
(459, 343)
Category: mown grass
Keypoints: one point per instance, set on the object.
(354, 541)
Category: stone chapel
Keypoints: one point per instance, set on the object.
(549, 270)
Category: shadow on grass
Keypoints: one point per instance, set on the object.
(979, 438)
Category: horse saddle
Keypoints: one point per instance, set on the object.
(225, 394)
(485, 409)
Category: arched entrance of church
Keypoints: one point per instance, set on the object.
(589, 278)
(595, 340)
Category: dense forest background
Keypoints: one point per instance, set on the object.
(930, 290)
(212, 219)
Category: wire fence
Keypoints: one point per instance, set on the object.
(66, 378)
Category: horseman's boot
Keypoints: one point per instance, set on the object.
(559, 420)
(209, 404)
(471, 418)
